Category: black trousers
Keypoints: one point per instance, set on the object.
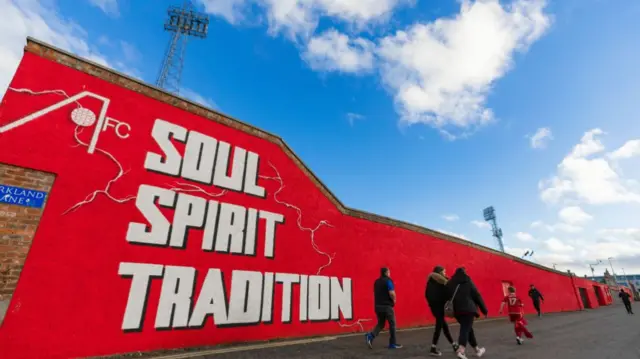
(467, 335)
(536, 304)
(627, 305)
(441, 326)
(385, 314)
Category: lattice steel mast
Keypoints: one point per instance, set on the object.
(183, 22)
(490, 216)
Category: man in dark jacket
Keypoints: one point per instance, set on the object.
(626, 299)
(536, 296)
(436, 294)
(384, 293)
(466, 302)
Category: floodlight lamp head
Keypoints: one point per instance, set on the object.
(187, 22)
(489, 214)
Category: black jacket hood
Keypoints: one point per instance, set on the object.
(460, 277)
(467, 299)
(436, 292)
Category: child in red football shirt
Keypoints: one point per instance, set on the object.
(515, 309)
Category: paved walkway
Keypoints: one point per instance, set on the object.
(596, 334)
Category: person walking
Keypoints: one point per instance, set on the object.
(626, 299)
(384, 293)
(536, 296)
(466, 300)
(515, 310)
(436, 295)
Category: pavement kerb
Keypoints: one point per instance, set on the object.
(250, 347)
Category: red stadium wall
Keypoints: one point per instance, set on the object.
(153, 260)
(597, 294)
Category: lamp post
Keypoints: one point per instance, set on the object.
(528, 254)
(593, 275)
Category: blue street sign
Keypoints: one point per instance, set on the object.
(21, 196)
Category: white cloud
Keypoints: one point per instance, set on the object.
(622, 244)
(577, 253)
(295, 18)
(631, 233)
(104, 40)
(462, 236)
(537, 224)
(130, 52)
(358, 11)
(110, 7)
(480, 224)
(565, 227)
(300, 18)
(333, 51)
(451, 217)
(558, 227)
(441, 72)
(541, 138)
(556, 245)
(39, 19)
(198, 98)
(230, 10)
(574, 215)
(525, 237)
(622, 248)
(585, 175)
(22, 18)
(590, 175)
(628, 150)
(353, 117)
(563, 261)
(517, 252)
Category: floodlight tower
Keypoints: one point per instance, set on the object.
(184, 22)
(593, 275)
(490, 216)
(612, 270)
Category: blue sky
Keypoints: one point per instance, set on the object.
(417, 110)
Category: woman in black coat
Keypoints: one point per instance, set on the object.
(466, 302)
(436, 294)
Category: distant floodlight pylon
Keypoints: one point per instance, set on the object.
(184, 22)
(490, 216)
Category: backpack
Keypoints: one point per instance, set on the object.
(448, 306)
